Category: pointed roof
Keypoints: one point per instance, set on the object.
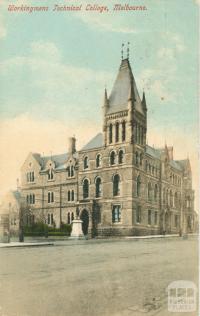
(95, 142)
(123, 90)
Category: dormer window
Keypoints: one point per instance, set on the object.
(71, 171)
(50, 174)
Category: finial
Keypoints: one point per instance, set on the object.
(128, 49)
(122, 51)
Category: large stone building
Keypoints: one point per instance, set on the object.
(118, 184)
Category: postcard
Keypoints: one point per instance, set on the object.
(99, 161)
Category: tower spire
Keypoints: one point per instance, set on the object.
(122, 51)
(128, 50)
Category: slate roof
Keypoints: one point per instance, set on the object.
(58, 159)
(123, 88)
(176, 165)
(95, 142)
(153, 152)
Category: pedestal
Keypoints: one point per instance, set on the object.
(77, 232)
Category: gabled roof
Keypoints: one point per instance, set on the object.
(124, 88)
(153, 152)
(95, 142)
(176, 165)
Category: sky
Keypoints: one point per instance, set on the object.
(54, 67)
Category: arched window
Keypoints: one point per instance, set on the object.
(123, 131)
(138, 214)
(72, 216)
(149, 191)
(171, 198)
(50, 174)
(117, 132)
(33, 199)
(116, 185)
(110, 133)
(116, 213)
(121, 156)
(72, 171)
(138, 185)
(85, 188)
(156, 192)
(68, 218)
(98, 187)
(98, 161)
(68, 195)
(86, 163)
(136, 158)
(141, 158)
(112, 158)
(72, 195)
(52, 197)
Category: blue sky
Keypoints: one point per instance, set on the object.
(54, 67)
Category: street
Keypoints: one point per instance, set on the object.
(95, 277)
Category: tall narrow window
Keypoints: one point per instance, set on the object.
(116, 185)
(123, 131)
(156, 192)
(112, 158)
(85, 188)
(117, 132)
(149, 191)
(110, 133)
(52, 197)
(72, 216)
(171, 198)
(156, 218)
(141, 159)
(138, 186)
(86, 163)
(149, 217)
(68, 195)
(49, 197)
(72, 171)
(98, 187)
(98, 161)
(72, 195)
(51, 218)
(136, 158)
(50, 174)
(68, 218)
(116, 213)
(121, 156)
(138, 214)
(48, 219)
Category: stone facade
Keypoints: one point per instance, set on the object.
(117, 183)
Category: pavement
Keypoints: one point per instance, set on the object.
(25, 244)
(124, 277)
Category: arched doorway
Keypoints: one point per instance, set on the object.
(85, 218)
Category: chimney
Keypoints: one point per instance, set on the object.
(71, 145)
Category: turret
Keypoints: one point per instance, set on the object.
(71, 145)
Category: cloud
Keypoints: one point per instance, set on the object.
(24, 134)
(160, 78)
(52, 84)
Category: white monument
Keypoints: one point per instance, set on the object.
(77, 232)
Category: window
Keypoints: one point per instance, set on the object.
(98, 161)
(149, 191)
(72, 216)
(121, 156)
(50, 197)
(85, 189)
(50, 174)
(156, 218)
(176, 220)
(116, 185)
(30, 176)
(98, 187)
(149, 217)
(50, 219)
(138, 214)
(72, 195)
(112, 158)
(176, 199)
(138, 185)
(141, 158)
(123, 131)
(110, 133)
(116, 214)
(68, 218)
(86, 163)
(70, 171)
(117, 132)
(146, 165)
(171, 198)
(30, 199)
(68, 196)
(136, 158)
(156, 192)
